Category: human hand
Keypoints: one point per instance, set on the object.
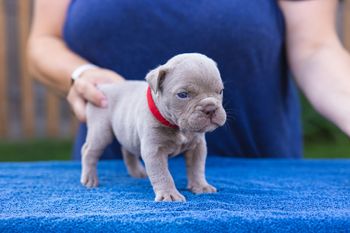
(84, 90)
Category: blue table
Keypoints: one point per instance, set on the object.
(254, 195)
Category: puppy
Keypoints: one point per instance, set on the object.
(163, 117)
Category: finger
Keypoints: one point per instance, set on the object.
(77, 105)
(89, 92)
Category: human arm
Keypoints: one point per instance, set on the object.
(52, 62)
(319, 62)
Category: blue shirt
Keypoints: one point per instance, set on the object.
(245, 38)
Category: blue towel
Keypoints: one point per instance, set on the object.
(254, 195)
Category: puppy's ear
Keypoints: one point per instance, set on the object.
(156, 77)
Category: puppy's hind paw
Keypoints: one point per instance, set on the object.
(172, 195)
(89, 179)
(139, 172)
(202, 188)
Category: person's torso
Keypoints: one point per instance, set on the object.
(245, 38)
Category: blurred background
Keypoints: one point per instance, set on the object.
(35, 124)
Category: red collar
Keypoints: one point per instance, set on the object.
(153, 108)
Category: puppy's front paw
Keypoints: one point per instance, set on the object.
(171, 195)
(202, 188)
(89, 179)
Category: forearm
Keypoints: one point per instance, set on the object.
(52, 63)
(323, 73)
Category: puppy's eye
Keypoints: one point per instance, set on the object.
(221, 91)
(182, 95)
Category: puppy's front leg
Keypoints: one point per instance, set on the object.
(195, 165)
(157, 170)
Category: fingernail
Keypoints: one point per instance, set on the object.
(104, 103)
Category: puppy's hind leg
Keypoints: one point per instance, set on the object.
(133, 164)
(99, 135)
(89, 159)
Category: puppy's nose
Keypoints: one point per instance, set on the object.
(209, 110)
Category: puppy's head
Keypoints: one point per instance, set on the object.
(188, 90)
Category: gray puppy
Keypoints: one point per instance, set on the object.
(163, 117)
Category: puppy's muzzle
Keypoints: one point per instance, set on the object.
(213, 110)
(210, 110)
(209, 106)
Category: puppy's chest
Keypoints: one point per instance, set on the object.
(182, 143)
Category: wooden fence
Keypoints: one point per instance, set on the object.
(27, 109)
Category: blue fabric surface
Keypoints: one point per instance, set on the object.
(245, 38)
(254, 196)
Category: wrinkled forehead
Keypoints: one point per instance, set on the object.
(201, 74)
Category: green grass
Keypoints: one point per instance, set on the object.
(339, 150)
(34, 150)
(40, 150)
(322, 139)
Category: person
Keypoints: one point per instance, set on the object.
(254, 43)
